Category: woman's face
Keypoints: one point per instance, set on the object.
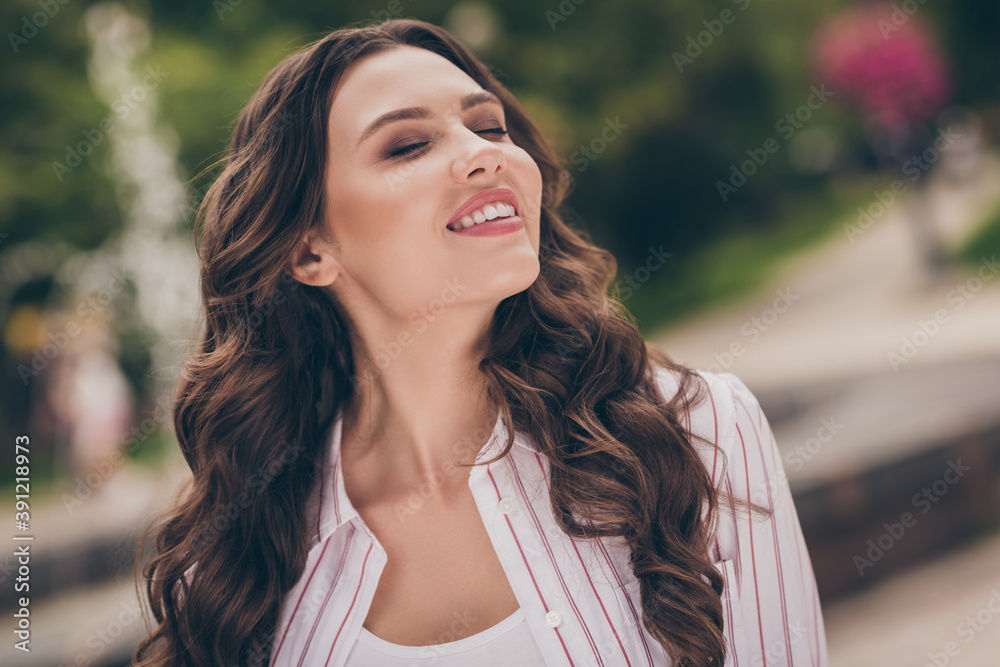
(393, 186)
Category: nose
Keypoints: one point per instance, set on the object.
(477, 158)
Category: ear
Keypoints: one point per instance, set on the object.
(314, 260)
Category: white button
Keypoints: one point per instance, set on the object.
(506, 505)
(553, 619)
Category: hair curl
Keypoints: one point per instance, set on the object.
(565, 363)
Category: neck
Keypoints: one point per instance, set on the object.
(417, 414)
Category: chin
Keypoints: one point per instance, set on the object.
(524, 280)
(507, 284)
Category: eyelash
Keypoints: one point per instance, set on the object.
(406, 150)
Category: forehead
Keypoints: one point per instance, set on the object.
(404, 76)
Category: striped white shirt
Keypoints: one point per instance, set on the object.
(580, 597)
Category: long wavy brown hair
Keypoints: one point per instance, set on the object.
(565, 364)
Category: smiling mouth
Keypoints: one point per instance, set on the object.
(485, 206)
(497, 210)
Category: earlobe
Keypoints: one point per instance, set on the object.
(313, 263)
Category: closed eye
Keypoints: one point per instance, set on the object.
(409, 148)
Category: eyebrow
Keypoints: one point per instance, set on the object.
(411, 113)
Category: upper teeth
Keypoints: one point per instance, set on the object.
(491, 211)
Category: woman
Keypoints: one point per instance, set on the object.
(420, 430)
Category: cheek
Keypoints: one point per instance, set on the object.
(530, 181)
(535, 174)
(364, 210)
(379, 224)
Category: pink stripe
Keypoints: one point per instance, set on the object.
(361, 580)
(587, 572)
(548, 550)
(738, 561)
(525, 559)
(808, 579)
(326, 598)
(319, 510)
(336, 499)
(718, 554)
(803, 579)
(781, 574)
(601, 602)
(729, 490)
(299, 602)
(729, 614)
(715, 420)
(687, 419)
(774, 531)
(753, 556)
(635, 615)
(486, 447)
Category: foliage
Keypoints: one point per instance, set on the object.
(984, 243)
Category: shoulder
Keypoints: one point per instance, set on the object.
(725, 400)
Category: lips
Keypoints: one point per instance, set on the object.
(476, 201)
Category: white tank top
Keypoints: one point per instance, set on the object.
(507, 643)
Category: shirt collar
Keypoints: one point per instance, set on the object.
(335, 508)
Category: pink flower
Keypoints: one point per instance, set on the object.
(883, 61)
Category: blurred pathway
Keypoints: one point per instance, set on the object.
(839, 309)
(916, 618)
